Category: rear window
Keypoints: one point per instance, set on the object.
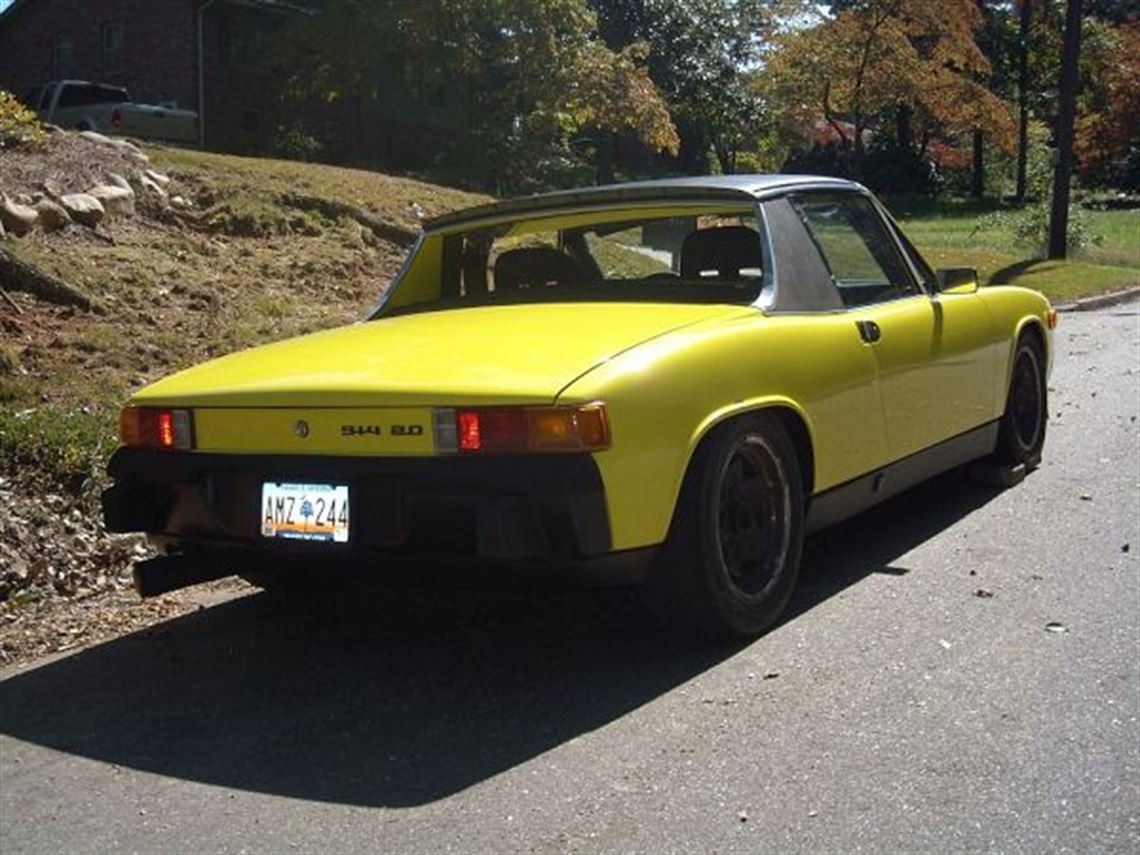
(696, 253)
(85, 94)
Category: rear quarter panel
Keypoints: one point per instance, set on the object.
(665, 396)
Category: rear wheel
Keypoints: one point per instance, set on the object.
(1022, 432)
(732, 557)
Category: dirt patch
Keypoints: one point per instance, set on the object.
(245, 258)
(70, 163)
(33, 630)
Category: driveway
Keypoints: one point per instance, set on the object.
(960, 670)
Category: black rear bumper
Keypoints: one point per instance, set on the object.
(529, 508)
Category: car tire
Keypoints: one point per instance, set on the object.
(1022, 432)
(732, 556)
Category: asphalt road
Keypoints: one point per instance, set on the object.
(900, 707)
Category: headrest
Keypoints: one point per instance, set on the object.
(534, 267)
(726, 250)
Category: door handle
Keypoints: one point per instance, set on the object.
(869, 331)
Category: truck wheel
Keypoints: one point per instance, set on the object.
(732, 557)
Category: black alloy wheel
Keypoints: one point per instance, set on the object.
(753, 513)
(731, 560)
(1022, 433)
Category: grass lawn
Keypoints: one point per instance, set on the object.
(946, 233)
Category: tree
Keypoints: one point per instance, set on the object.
(1059, 218)
(532, 75)
(700, 53)
(1108, 127)
(877, 61)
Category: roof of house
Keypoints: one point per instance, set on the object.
(696, 188)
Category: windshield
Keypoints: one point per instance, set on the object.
(692, 253)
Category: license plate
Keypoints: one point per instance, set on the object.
(304, 511)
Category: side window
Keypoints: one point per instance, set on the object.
(864, 262)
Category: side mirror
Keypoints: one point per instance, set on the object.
(957, 280)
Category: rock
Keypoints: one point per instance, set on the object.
(119, 181)
(52, 216)
(51, 188)
(131, 149)
(116, 201)
(84, 209)
(122, 145)
(149, 185)
(3, 233)
(157, 177)
(53, 129)
(98, 139)
(18, 219)
(180, 202)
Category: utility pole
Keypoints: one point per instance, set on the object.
(1059, 220)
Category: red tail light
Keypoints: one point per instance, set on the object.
(116, 118)
(521, 430)
(147, 428)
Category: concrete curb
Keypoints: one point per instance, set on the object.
(1101, 301)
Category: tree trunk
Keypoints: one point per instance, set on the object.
(1025, 12)
(604, 157)
(1059, 220)
(978, 179)
(904, 137)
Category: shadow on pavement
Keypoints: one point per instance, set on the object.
(405, 698)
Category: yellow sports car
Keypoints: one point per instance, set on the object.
(665, 383)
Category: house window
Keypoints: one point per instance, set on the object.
(62, 57)
(111, 46)
(239, 43)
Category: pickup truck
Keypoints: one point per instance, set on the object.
(109, 110)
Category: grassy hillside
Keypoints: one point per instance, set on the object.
(257, 254)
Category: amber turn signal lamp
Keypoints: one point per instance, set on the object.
(522, 430)
(142, 427)
(1052, 318)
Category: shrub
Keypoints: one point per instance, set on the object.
(293, 142)
(19, 126)
(1030, 227)
(67, 447)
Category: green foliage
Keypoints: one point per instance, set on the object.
(19, 126)
(67, 447)
(699, 53)
(293, 142)
(516, 82)
(1030, 227)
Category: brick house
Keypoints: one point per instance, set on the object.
(202, 55)
(194, 54)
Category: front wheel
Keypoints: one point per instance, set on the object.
(731, 560)
(1022, 432)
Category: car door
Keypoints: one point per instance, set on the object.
(934, 356)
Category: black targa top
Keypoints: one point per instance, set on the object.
(697, 189)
